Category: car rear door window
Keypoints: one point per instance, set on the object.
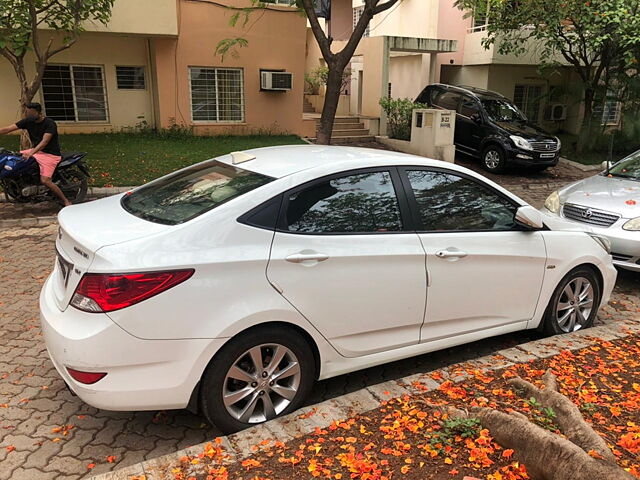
(358, 203)
(448, 100)
(448, 202)
(469, 107)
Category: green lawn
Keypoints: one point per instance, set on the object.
(128, 159)
(594, 157)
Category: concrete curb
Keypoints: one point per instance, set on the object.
(580, 166)
(304, 421)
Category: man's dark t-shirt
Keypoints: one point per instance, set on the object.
(37, 130)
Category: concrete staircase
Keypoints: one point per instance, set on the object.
(307, 107)
(349, 130)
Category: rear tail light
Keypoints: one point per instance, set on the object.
(88, 378)
(97, 293)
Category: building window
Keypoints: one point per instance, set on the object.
(217, 94)
(130, 78)
(74, 93)
(609, 113)
(357, 15)
(527, 98)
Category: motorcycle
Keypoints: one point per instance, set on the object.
(20, 178)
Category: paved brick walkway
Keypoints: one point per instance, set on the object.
(36, 409)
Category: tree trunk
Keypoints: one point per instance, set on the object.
(331, 100)
(582, 455)
(584, 136)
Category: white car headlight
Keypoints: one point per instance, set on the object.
(521, 142)
(602, 241)
(559, 143)
(552, 203)
(632, 225)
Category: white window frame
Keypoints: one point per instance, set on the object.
(71, 66)
(611, 120)
(357, 15)
(217, 122)
(526, 95)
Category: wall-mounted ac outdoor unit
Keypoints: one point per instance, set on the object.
(556, 112)
(276, 81)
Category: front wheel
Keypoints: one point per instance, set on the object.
(574, 304)
(494, 159)
(262, 374)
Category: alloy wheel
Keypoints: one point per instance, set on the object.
(261, 383)
(575, 305)
(492, 159)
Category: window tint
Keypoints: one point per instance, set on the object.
(191, 192)
(448, 100)
(428, 95)
(357, 203)
(447, 202)
(469, 107)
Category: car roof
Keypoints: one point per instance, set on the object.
(282, 161)
(469, 90)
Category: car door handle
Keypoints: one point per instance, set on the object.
(307, 257)
(454, 253)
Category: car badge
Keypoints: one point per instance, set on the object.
(587, 213)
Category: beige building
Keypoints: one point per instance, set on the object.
(418, 42)
(397, 56)
(154, 64)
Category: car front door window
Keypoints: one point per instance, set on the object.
(449, 203)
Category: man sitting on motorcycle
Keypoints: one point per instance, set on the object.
(43, 133)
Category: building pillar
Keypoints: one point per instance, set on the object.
(433, 66)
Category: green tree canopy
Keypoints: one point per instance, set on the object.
(598, 38)
(29, 26)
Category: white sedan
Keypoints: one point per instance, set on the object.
(233, 284)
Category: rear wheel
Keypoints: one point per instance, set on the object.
(574, 304)
(74, 184)
(262, 374)
(494, 159)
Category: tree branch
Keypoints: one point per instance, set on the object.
(318, 32)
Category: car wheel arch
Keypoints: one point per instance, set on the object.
(194, 405)
(584, 264)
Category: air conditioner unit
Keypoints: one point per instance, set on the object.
(276, 81)
(556, 112)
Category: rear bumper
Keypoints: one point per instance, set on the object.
(141, 374)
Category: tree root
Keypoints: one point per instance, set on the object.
(582, 455)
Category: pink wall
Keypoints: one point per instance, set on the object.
(451, 26)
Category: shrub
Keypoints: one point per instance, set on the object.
(399, 112)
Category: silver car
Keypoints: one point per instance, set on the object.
(608, 204)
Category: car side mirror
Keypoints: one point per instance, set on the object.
(606, 165)
(476, 118)
(529, 217)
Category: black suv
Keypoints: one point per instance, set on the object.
(491, 127)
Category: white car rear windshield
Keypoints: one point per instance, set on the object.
(186, 194)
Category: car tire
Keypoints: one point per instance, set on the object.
(574, 304)
(234, 394)
(494, 159)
